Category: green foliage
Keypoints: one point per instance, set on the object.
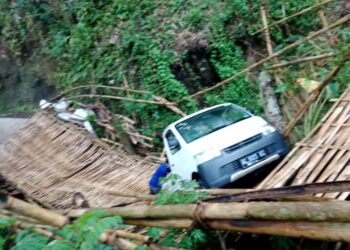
(28, 240)
(83, 234)
(103, 41)
(179, 191)
(86, 231)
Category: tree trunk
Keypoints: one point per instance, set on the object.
(272, 109)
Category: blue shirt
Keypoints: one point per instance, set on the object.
(161, 172)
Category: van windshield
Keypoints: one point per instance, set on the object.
(205, 123)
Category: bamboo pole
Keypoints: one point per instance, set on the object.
(124, 244)
(40, 231)
(335, 211)
(124, 234)
(339, 22)
(315, 94)
(312, 230)
(318, 231)
(314, 188)
(115, 98)
(302, 60)
(169, 105)
(272, 108)
(166, 223)
(100, 86)
(332, 40)
(33, 211)
(132, 194)
(294, 15)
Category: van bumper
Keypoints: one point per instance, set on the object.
(229, 166)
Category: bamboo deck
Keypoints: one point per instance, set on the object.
(322, 156)
(49, 161)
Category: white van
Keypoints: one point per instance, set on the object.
(221, 144)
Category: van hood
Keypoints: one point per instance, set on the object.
(229, 135)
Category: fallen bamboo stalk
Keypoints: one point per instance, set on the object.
(302, 60)
(115, 98)
(159, 100)
(314, 188)
(339, 22)
(294, 15)
(166, 223)
(312, 230)
(332, 40)
(315, 94)
(33, 211)
(124, 234)
(170, 105)
(335, 211)
(40, 231)
(318, 231)
(131, 194)
(124, 244)
(100, 86)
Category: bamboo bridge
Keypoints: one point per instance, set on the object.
(49, 161)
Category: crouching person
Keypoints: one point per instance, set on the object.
(162, 171)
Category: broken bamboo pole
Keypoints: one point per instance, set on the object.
(294, 15)
(339, 22)
(33, 211)
(315, 94)
(302, 60)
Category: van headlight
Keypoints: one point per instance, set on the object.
(206, 155)
(267, 129)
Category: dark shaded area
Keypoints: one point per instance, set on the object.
(196, 71)
(20, 89)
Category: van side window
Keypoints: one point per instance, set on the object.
(173, 143)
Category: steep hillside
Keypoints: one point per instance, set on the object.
(170, 48)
